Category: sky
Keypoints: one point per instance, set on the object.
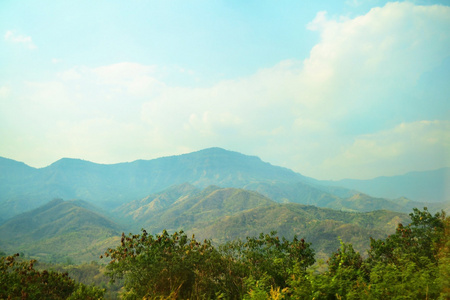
(330, 89)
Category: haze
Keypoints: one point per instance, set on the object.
(334, 89)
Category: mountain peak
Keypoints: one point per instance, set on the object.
(217, 151)
(69, 162)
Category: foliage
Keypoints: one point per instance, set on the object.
(175, 265)
(19, 279)
(89, 274)
(416, 241)
(272, 256)
(164, 265)
(412, 263)
(406, 264)
(444, 261)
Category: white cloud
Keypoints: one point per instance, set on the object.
(422, 144)
(4, 91)
(130, 78)
(11, 36)
(360, 62)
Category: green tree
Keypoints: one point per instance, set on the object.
(345, 277)
(418, 239)
(406, 265)
(176, 266)
(165, 265)
(275, 257)
(19, 279)
(444, 261)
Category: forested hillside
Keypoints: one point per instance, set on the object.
(412, 263)
(59, 231)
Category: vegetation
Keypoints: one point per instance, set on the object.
(412, 263)
(176, 266)
(20, 280)
(58, 231)
(63, 231)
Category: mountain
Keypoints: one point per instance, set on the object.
(186, 207)
(59, 229)
(109, 186)
(222, 214)
(364, 203)
(72, 230)
(320, 226)
(426, 186)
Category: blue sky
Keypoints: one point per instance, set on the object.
(330, 89)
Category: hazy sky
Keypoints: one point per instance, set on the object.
(330, 89)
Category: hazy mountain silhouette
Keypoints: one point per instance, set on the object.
(109, 186)
(426, 186)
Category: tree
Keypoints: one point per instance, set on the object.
(406, 264)
(275, 257)
(418, 239)
(165, 265)
(174, 265)
(19, 279)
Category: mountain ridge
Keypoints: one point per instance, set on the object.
(60, 230)
(124, 182)
(110, 186)
(424, 186)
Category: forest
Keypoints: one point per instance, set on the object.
(411, 263)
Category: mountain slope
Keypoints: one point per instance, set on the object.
(222, 214)
(140, 209)
(61, 230)
(183, 211)
(58, 229)
(322, 227)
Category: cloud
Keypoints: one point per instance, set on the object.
(422, 144)
(348, 110)
(11, 36)
(360, 62)
(4, 91)
(130, 78)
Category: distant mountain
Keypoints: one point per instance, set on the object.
(349, 200)
(427, 186)
(59, 229)
(110, 186)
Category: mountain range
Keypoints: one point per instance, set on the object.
(425, 186)
(73, 230)
(108, 186)
(214, 193)
(222, 214)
